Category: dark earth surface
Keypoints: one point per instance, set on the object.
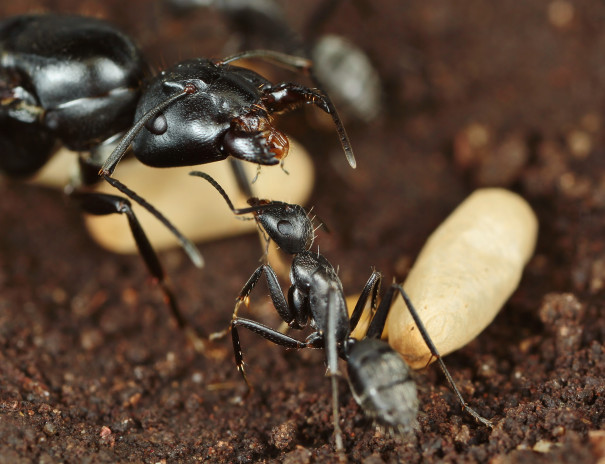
(477, 93)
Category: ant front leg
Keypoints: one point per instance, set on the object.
(100, 204)
(277, 297)
(280, 303)
(429, 343)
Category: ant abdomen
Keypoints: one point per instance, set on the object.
(382, 384)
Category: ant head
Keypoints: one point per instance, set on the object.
(287, 225)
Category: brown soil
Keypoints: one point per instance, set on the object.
(477, 93)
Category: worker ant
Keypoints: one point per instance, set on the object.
(379, 378)
(81, 82)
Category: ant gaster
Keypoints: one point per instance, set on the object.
(81, 82)
(379, 378)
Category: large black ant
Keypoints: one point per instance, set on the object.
(379, 378)
(81, 82)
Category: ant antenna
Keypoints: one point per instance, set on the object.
(216, 185)
(236, 211)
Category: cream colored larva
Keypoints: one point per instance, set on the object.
(466, 271)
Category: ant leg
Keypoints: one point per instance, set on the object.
(372, 287)
(266, 332)
(241, 298)
(378, 322)
(280, 303)
(277, 297)
(102, 204)
(434, 352)
(331, 347)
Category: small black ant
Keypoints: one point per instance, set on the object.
(379, 378)
(81, 82)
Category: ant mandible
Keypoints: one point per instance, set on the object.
(379, 378)
(81, 82)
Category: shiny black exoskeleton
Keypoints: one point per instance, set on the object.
(340, 67)
(63, 78)
(378, 376)
(80, 82)
(227, 115)
(201, 111)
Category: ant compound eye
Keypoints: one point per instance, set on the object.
(157, 125)
(285, 227)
